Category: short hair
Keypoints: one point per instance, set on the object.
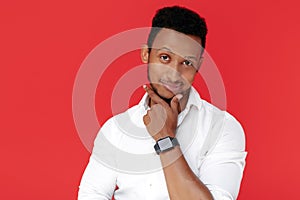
(179, 19)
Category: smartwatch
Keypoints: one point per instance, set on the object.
(165, 144)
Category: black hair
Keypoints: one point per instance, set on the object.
(179, 19)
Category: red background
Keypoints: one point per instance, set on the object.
(254, 43)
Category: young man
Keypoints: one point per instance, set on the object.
(172, 145)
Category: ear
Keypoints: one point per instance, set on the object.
(145, 54)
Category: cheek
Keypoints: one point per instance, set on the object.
(189, 77)
(156, 70)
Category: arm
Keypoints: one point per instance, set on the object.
(161, 121)
(182, 183)
(97, 183)
(222, 169)
(99, 179)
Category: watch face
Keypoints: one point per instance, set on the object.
(165, 144)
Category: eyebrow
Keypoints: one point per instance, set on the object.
(185, 57)
(167, 49)
(191, 58)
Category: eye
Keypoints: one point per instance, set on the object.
(188, 63)
(165, 57)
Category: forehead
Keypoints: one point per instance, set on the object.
(180, 44)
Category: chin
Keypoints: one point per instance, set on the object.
(166, 94)
(162, 92)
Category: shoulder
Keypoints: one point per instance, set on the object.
(232, 133)
(119, 120)
(215, 111)
(110, 135)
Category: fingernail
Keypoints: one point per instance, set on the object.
(179, 96)
(145, 87)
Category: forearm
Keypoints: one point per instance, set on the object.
(182, 183)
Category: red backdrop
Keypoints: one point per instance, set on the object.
(254, 43)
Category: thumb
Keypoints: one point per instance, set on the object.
(175, 102)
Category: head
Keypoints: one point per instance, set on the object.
(174, 50)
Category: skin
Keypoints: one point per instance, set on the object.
(172, 65)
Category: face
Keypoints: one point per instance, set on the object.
(173, 62)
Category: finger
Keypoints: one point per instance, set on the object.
(175, 102)
(146, 120)
(154, 97)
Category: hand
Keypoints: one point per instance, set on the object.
(161, 119)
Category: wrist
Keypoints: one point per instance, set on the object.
(165, 144)
(164, 135)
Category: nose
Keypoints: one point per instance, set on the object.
(173, 70)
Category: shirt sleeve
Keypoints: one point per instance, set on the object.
(222, 170)
(98, 182)
(99, 178)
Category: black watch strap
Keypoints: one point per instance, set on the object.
(165, 144)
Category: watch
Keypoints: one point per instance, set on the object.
(165, 144)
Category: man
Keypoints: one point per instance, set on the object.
(172, 145)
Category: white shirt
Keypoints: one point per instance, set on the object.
(123, 155)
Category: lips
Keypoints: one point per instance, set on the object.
(174, 87)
